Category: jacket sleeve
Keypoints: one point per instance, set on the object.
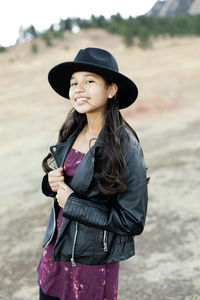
(128, 215)
(46, 189)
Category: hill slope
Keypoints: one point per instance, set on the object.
(167, 72)
(175, 8)
(31, 114)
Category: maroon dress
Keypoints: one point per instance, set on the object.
(80, 282)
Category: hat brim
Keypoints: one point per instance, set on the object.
(59, 79)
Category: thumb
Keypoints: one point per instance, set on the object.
(60, 169)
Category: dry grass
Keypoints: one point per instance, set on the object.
(166, 117)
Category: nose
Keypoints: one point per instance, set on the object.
(79, 88)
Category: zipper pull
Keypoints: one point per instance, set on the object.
(73, 262)
(105, 241)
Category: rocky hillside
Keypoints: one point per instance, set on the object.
(175, 8)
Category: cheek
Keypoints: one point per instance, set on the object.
(70, 93)
(104, 98)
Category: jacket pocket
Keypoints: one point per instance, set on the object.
(105, 243)
(84, 244)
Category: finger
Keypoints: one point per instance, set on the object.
(62, 185)
(55, 175)
(58, 191)
(60, 170)
(56, 172)
(54, 185)
(56, 179)
(54, 189)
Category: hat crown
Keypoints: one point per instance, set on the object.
(98, 57)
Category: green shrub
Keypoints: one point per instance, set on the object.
(144, 38)
(34, 48)
(46, 37)
(2, 49)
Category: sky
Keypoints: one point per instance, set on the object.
(43, 13)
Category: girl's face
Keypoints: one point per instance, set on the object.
(89, 92)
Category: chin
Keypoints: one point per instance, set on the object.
(84, 110)
(81, 110)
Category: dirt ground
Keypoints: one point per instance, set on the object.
(167, 261)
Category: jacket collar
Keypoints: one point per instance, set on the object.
(85, 170)
(59, 151)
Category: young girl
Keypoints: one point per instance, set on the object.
(97, 177)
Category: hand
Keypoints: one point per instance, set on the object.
(63, 193)
(54, 177)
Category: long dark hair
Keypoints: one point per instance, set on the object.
(110, 164)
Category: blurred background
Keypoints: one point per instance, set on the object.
(156, 43)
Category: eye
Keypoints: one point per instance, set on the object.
(73, 83)
(90, 81)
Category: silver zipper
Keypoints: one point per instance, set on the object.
(105, 241)
(73, 248)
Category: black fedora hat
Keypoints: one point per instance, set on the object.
(97, 61)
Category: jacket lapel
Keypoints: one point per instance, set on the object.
(60, 151)
(85, 170)
(84, 173)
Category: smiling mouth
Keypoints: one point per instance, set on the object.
(81, 100)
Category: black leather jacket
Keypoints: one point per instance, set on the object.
(98, 228)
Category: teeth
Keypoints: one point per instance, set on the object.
(81, 99)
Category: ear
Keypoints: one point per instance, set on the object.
(112, 90)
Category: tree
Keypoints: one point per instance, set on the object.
(47, 38)
(27, 33)
(144, 38)
(2, 48)
(127, 33)
(66, 24)
(34, 48)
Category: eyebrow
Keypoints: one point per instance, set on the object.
(85, 75)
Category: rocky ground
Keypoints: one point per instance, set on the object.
(167, 261)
